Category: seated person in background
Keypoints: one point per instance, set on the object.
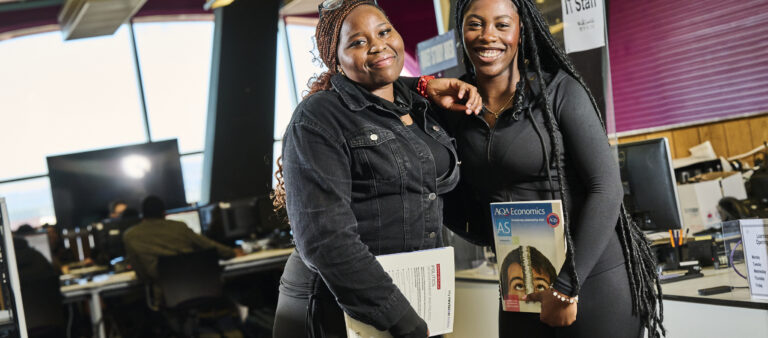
(108, 236)
(156, 236)
(59, 253)
(40, 291)
(116, 208)
(32, 264)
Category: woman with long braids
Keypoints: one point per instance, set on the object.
(540, 137)
(364, 166)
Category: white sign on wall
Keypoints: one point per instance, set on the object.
(754, 236)
(438, 53)
(583, 24)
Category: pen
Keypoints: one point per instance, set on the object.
(671, 238)
(680, 239)
(686, 234)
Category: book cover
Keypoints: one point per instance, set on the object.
(530, 249)
(427, 279)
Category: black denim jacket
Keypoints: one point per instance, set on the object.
(359, 183)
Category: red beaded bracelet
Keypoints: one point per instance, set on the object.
(422, 86)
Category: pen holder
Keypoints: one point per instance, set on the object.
(671, 257)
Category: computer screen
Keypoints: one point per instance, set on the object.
(40, 243)
(244, 218)
(650, 190)
(108, 238)
(83, 184)
(189, 217)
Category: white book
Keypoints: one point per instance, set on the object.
(427, 279)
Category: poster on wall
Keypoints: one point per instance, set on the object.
(583, 24)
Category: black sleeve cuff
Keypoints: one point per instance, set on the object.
(563, 283)
(410, 325)
(410, 82)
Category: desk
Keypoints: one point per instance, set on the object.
(732, 314)
(257, 261)
(122, 282)
(686, 314)
(477, 303)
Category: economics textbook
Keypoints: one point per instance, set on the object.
(530, 249)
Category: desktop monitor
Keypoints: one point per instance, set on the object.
(108, 238)
(650, 189)
(83, 184)
(245, 218)
(188, 216)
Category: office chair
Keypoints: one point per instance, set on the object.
(43, 311)
(191, 284)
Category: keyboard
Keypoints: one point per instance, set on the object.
(671, 278)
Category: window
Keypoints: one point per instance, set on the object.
(175, 60)
(29, 201)
(285, 92)
(301, 42)
(192, 170)
(295, 68)
(62, 97)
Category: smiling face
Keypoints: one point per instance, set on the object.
(370, 50)
(516, 282)
(491, 36)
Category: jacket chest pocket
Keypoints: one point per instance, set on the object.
(376, 155)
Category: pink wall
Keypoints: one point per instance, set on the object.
(674, 62)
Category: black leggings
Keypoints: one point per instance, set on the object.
(605, 310)
(306, 308)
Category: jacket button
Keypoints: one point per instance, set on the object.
(432, 234)
(432, 196)
(435, 128)
(374, 137)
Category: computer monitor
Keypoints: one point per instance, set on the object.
(189, 216)
(244, 218)
(83, 184)
(650, 190)
(108, 238)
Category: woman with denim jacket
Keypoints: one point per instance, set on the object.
(364, 166)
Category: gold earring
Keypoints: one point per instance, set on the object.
(340, 71)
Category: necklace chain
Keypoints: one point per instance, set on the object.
(501, 110)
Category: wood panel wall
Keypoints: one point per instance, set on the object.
(728, 138)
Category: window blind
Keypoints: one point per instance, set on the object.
(679, 62)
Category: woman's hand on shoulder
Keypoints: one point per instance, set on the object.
(454, 94)
(554, 312)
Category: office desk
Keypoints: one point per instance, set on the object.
(686, 314)
(255, 262)
(121, 283)
(95, 289)
(732, 314)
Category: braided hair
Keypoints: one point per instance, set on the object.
(545, 55)
(327, 39)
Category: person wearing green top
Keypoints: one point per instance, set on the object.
(156, 236)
